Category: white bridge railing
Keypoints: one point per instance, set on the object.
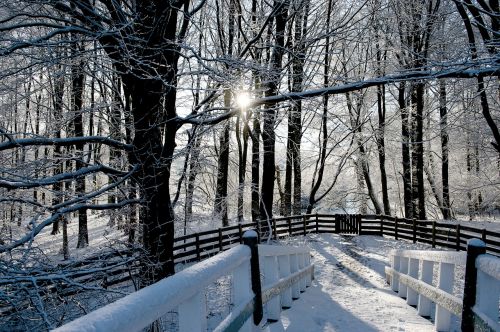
(286, 271)
(411, 274)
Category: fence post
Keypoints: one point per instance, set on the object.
(284, 271)
(360, 225)
(483, 235)
(396, 228)
(240, 231)
(414, 230)
(304, 225)
(457, 243)
(411, 294)
(271, 275)
(445, 282)
(259, 234)
(221, 247)
(317, 223)
(434, 234)
(424, 304)
(395, 263)
(289, 222)
(475, 247)
(337, 223)
(273, 223)
(381, 225)
(250, 239)
(403, 268)
(198, 247)
(294, 267)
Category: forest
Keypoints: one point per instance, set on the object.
(161, 118)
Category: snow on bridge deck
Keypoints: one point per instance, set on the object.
(350, 292)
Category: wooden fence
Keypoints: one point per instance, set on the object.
(198, 246)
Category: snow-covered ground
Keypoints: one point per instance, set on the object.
(350, 292)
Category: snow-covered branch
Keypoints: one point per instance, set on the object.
(463, 71)
(64, 142)
(10, 184)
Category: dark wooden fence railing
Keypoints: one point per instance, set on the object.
(198, 246)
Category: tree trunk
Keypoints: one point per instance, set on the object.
(418, 151)
(405, 148)
(194, 166)
(242, 161)
(154, 160)
(443, 124)
(268, 134)
(220, 203)
(255, 167)
(57, 188)
(77, 82)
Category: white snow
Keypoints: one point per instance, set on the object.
(489, 265)
(143, 307)
(476, 243)
(442, 256)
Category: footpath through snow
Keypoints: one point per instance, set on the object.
(350, 292)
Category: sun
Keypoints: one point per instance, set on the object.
(243, 99)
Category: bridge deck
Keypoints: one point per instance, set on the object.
(350, 293)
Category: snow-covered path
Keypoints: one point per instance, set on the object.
(349, 292)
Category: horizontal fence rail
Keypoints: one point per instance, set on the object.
(198, 246)
(286, 271)
(411, 274)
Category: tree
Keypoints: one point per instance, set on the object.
(279, 14)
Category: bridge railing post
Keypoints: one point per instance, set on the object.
(411, 294)
(445, 282)
(284, 271)
(475, 247)
(251, 240)
(424, 304)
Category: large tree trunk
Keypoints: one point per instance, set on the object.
(220, 203)
(381, 147)
(405, 148)
(268, 135)
(77, 81)
(154, 160)
(153, 99)
(418, 192)
(255, 167)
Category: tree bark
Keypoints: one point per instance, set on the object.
(58, 164)
(268, 135)
(405, 149)
(418, 191)
(443, 124)
(77, 82)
